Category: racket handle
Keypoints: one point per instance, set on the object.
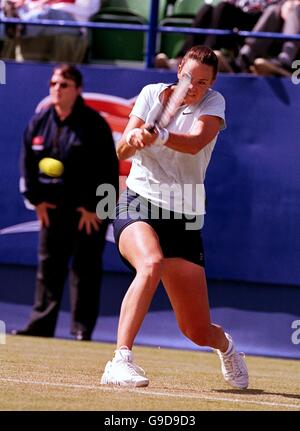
(163, 134)
(151, 128)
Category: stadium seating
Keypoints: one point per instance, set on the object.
(182, 15)
(105, 44)
(187, 8)
(134, 7)
(121, 44)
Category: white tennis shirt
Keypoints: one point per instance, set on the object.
(169, 178)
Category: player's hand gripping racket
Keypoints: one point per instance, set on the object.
(169, 110)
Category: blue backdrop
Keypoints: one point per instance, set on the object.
(252, 227)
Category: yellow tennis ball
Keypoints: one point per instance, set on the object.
(51, 167)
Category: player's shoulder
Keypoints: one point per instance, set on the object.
(154, 89)
(213, 97)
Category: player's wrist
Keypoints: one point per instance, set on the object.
(163, 136)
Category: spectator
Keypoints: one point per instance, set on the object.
(47, 43)
(284, 18)
(2, 28)
(78, 137)
(226, 15)
(81, 10)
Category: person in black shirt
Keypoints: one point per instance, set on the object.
(81, 142)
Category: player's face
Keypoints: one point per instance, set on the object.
(63, 92)
(202, 79)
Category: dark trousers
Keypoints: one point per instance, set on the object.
(271, 21)
(224, 16)
(64, 249)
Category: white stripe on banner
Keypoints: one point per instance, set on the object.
(30, 226)
(34, 226)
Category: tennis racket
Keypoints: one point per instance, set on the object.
(169, 110)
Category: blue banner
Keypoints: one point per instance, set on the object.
(252, 227)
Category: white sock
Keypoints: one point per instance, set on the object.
(231, 347)
(123, 354)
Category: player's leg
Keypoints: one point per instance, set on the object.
(185, 283)
(138, 244)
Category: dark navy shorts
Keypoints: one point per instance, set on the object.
(176, 240)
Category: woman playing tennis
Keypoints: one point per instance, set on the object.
(160, 216)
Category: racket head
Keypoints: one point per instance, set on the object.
(174, 101)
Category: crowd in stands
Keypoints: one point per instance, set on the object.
(263, 56)
(47, 43)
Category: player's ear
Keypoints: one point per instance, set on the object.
(179, 69)
(212, 82)
(179, 74)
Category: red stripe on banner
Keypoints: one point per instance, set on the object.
(110, 107)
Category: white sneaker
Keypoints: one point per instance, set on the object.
(122, 371)
(234, 368)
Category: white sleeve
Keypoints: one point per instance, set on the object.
(143, 104)
(214, 105)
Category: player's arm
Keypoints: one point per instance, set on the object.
(128, 146)
(204, 131)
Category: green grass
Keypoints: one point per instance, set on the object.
(52, 374)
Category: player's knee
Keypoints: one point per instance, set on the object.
(151, 266)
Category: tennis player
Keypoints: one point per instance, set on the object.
(160, 216)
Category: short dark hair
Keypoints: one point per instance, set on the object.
(204, 55)
(70, 72)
